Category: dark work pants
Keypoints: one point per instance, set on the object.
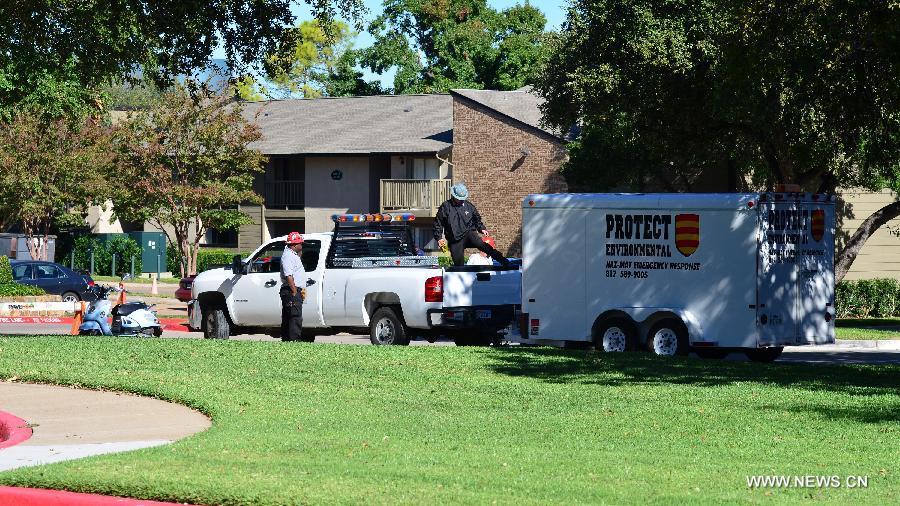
(291, 315)
(472, 239)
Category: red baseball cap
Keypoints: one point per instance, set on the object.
(294, 238)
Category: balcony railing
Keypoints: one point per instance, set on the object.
(424, 195)
(285, 194)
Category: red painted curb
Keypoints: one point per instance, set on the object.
(176, 324)
(18, 496)
(13, 430)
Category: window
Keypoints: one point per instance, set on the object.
(370, 241)
(423, 168)
(310, 255)
(269, 259)
(46, 271)
(221, 237)
(423, 237)
(21, 272)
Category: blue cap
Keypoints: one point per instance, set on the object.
(459, 191)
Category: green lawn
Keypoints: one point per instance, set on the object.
(867, 328)
(306, 423)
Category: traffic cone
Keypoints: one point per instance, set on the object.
(154, 290)
(121, 299)
(79, 317)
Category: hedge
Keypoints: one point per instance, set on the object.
(206, 258)
(8, 287)
(867, 298)
(122, 246)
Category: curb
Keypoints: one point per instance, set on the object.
(19, 496)
(13, 430)
(176, 324)
(874, 344)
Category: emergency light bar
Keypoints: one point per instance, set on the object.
(343, 218)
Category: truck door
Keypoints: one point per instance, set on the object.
(778, 294)
(314, 265)
(256, 299)
(816, 270)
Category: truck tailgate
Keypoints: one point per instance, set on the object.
(482, 286)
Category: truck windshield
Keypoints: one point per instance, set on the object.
(370, 241)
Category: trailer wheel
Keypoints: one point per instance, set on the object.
(615, 335)
(668, 338)
(387, 329)
(764, 354)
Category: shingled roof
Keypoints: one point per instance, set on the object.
(354, 125)
(521, 105)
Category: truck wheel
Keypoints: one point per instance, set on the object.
(387, 329)
(215, 324)
(764, 354)
(615, 335)
(668, 338)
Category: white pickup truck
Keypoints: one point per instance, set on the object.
(364, 275)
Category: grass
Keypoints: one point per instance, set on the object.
(312, 423)
(867, 328)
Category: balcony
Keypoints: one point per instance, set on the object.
(285, 195)
(421, 197)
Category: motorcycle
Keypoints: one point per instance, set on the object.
(129, 319)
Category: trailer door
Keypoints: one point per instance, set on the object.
(778, 292)
(816, 269)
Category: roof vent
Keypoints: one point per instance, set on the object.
(407, 109)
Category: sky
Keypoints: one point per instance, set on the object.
(554, 10)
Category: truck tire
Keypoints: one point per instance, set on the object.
(387, 329)
(215, 324)
(615, 335)
(764, 354)
(668, 338)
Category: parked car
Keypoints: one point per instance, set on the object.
(53, 278)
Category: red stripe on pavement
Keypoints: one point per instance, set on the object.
(20, 496)
(176, 324)
(13, 430)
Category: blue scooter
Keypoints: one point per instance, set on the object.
(129, 319)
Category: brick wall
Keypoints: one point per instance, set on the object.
(488, 158)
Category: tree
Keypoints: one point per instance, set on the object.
(305, 56)
(779, 92)
(58, 52)
(436, 45)
(50, 173)
(188, 166)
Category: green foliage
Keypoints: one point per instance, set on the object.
(8, 286)
(777, 91)
(867, 298)
(50, 172)
(122, 246)
(554, 417)
(130, 96)
(206, 257)
(19, 290)
(54, 54)
(436, 45)
(6, 275)
(189, 165)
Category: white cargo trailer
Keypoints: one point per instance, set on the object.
(673, 273)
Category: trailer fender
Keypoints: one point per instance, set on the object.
(646, 317)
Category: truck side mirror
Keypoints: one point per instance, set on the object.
(237, 265)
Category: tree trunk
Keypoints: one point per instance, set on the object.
(845, 258)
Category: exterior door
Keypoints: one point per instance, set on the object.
(259, 302)
(816, 269)
(778, 294)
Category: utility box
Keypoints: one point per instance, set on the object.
(15, 246)
(153, 245)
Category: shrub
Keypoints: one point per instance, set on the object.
(19, 290)
(6, 276)
(122, 246)
(867, 298)
(206, 258)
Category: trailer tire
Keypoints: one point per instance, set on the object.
(712, 353)
(764, 354)
(668, 338)
(215, 324)
(615, 335)
(386, 328)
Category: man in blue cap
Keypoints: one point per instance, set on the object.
(459, 221)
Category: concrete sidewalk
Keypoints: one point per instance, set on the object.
(68, 423)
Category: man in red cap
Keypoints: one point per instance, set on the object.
(292, 277)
